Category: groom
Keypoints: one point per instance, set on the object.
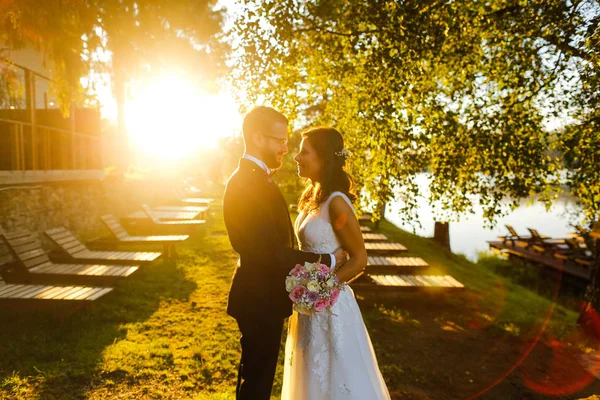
(260, 230)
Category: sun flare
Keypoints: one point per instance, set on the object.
(171, 118)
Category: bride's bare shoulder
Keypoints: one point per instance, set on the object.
(340, 212)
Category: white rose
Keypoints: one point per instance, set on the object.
(313, 286)
(290, 283)
(310, 267)
(330, 282)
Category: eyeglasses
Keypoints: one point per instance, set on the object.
(282, 142)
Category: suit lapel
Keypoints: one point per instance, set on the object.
(276, 195)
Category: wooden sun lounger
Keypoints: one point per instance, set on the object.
(382, 264)
(32, 264)
(374, 237)
(197, 209)
(365, 229)
(38, 296)
(365, 218)
(72, 250)
(192, 200)
(405, 283)
(157, 220)
(384, 247)
(122, 237)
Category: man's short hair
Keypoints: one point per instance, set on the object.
(261, 119)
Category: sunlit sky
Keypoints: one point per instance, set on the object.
(171, 115)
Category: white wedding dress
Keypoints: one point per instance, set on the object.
(329, 356)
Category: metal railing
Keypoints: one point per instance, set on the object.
(30, 145)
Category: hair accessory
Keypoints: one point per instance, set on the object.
(343, 153)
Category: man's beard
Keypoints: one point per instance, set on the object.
(272, 160)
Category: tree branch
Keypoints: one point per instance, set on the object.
(330, 32)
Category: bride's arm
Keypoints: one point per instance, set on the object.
(347, 230)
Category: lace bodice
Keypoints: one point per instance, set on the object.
(314, 230)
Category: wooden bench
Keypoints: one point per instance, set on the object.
(121, 236)
(405, 283)
(32, 264)
(384, 248)
(381, 264)
(374, 237)
(71, 249)
(38, 296)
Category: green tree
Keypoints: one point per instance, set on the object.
(454, 88)
(140, 35)
(459, 89)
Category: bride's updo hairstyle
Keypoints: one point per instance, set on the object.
(329, 146)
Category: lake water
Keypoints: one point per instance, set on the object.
(469, 236)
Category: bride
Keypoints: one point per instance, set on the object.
(329, 355)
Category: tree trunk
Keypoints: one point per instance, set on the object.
(121, 141)
(589, 318)
(441, 234)
(382, 209)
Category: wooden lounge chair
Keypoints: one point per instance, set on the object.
(122, 237)
(156, 220)
(514, 238)
(365, 218)
(382, 264)
(374, 237)
(536, 237)
(384, 248)
(576, 252)
(544, 244)
(405, 283)
(364, 228)
(72, 250)
(33, 265)
(179, 195)
(190, 209)
(41, 296)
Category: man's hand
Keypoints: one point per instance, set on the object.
(340, 256)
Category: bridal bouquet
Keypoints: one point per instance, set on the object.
(313, 288)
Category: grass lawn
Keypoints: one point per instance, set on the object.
(164, 333)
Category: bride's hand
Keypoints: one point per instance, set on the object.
(340, 256)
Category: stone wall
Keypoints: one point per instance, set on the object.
(75, 205)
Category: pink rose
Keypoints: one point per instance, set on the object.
(324, 268)
(333, 296)
(321, 305)
(297, 293)
(297, 270)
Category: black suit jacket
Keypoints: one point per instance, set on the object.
(260, 230)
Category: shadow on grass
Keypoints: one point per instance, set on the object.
(58, 358)
(429, 347)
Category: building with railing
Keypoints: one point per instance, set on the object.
(38, 144)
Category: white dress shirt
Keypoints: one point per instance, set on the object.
(264, 166)
(258, 162)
